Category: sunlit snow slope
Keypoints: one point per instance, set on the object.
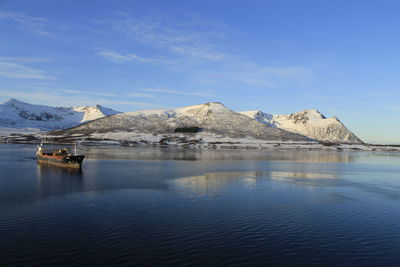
(15, 114)
(309, 122)
(213, 118)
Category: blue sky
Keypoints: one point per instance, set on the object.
(340, 57)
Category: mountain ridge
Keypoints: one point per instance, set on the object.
(18, 114)
(308, 122)
(212, 118)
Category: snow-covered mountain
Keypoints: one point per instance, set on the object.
(20, 115)
(209, 118)
(309, 122)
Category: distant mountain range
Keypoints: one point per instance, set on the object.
(19, 115)
(210, 119)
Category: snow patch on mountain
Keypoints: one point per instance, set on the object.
(308, 122)
(96, 112)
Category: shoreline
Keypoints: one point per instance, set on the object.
(179, 142)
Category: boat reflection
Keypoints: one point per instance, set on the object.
(53, 180)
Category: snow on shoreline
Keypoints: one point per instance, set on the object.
(195, 141)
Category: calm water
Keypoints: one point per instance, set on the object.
(148, 206)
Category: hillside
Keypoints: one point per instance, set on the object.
(210, 118)
(15, 114)
(310, 123)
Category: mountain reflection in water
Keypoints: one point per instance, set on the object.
(173, 153)
(214, 182)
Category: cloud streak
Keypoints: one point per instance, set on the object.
(177, 38)
(95, 93)
(32, 24)
(18, 71)
(122, 58)
(101, 93)
(141, 95)
(197, 48)
(175, 92)
(25, 59)
(248, 73)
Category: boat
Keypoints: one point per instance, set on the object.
(60, 157)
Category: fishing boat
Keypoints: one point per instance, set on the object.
(60, 157)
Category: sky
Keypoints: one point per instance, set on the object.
(279, 56)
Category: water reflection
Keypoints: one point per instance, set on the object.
(276, 175)
(53, 180)
(212, 183)
(174, 153)
(306, 179)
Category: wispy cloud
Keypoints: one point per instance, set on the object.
(18, 71)
(204, 52)
(122, 58)
(178, 38)
(248, 73)
(287, 72)
(25, 59)
(271, 76)
(176, 92)
(32, 24)
(102, 93)
(199, 49)
(131, 95)
(22, 18)
(141, 95)
(85, 92)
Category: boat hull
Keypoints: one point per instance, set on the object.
(69, 161)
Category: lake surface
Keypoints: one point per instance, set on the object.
(168, 206)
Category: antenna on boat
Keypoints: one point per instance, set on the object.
(43, 140)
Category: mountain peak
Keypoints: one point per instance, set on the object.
(210, 107)
(18, 114)
(214, 119)
(309, 122)
(312, 110)
(215, 105)
(310, 114)
(14, 101)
